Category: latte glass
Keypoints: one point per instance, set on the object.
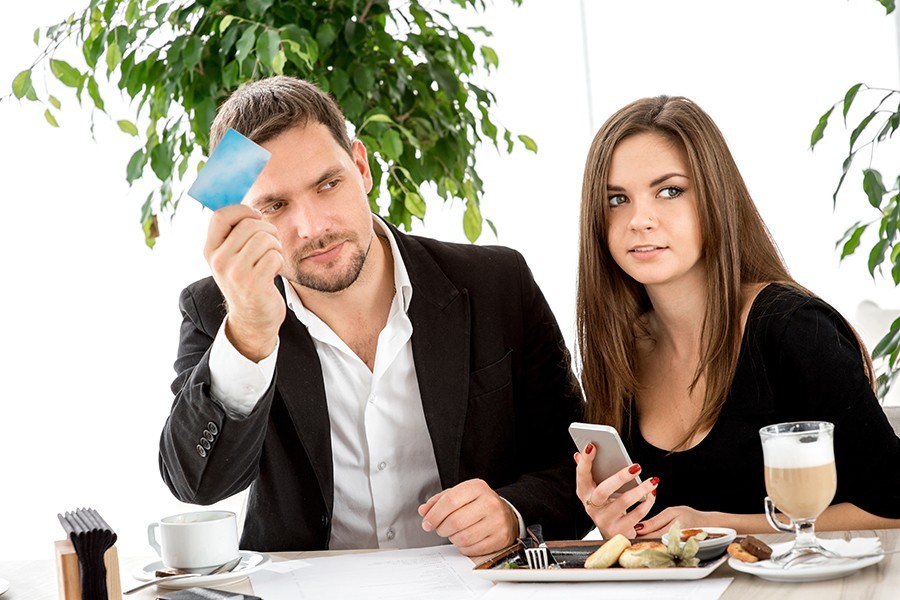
(800, 481)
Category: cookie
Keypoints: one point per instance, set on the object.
(739, 553)
(756, 547)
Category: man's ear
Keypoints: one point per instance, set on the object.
(361, 159)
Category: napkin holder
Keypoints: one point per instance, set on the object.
(68, 573)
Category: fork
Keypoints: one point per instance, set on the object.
(537, 558)
(804, 557)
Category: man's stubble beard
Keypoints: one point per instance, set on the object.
(329, 282)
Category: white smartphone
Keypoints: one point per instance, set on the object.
(611, 456)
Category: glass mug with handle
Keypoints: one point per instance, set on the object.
(801, 481)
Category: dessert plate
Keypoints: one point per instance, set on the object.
(250, 562)
(819, 571)
(4, 585)
(712, 547)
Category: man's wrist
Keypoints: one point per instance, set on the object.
(248, 342)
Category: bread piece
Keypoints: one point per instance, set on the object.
(607, 554)
(646, 555)
(756, 547)
(739, 553)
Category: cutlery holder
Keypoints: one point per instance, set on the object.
(68, 573)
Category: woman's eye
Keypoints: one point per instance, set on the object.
(617, 200)
(273, 208)
(671, 192)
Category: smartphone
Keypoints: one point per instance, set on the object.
(611, 456)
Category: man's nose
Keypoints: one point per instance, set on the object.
(308, 221)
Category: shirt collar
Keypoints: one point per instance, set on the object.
(402, 283)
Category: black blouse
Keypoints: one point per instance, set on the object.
(799, 361)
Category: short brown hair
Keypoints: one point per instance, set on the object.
(264, 109)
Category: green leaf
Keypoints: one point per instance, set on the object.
(415, 204)
(259, 7)
(859, 128)
(278, 62)
(245, 44)
(363, 77)
(888, 6)
(127, 126)
(267, 46)
(889, 342)
(131, 11)
(54, 101)
(472, 222)
(94, 93)
(391, 145)
(325, 36)
(873, 186)
(136, 164)
(340, 81)
(848, 99)
(876, 256)
(37, 36)
(819, 131)
(225, 22)
(22, 83)
(490, 57)
(113, 57)
(50, 118)
(529, 143)
(192, 51)
(66, 73)
(853, 243)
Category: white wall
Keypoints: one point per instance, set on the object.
(89, 314)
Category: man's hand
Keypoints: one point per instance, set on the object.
(244, 253)
(472, 516)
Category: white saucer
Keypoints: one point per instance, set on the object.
(4, 585)
(250, 561)
(832, 569)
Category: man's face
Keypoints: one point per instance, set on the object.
(315, 194)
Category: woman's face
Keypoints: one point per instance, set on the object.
(653, 228)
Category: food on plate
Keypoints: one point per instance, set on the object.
(607, 554)
(734, 549)
(168, 572)
(756, 547)
(650, 555)
(700, 534)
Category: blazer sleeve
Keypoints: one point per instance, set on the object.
(549, 399)
(822, 366)
(205, 455)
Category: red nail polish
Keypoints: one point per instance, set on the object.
(654, 491)
(638, 527)
(633, 469)
(589, 449)
(655, 481)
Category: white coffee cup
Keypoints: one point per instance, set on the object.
(195, 540)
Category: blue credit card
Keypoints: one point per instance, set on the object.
(230, 172)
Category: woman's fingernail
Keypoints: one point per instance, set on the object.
(589, 449)
(654, 480)
(638, 527)
(654, 491)
(633, 469)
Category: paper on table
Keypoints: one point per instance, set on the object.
(437, 573)
(700, 589)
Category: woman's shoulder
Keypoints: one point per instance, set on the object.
(780, 301)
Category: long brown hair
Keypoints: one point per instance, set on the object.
(737, 249)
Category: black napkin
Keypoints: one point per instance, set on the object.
(92, 537)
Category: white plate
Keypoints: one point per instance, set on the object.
(611, 574)
(250, 561)
(4, 585)
(710, 548)
(832, 569)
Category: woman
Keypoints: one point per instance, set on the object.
(693, 335)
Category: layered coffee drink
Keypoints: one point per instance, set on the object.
(800, 476)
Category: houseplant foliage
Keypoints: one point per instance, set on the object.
(877, 126)
(401, 72)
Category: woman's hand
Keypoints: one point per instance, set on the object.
(686, 516)
(610, 510)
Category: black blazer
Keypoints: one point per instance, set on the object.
(496, 387)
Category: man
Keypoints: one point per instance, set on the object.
(373, 389)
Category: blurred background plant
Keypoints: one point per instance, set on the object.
(403, 73)
(877, 124)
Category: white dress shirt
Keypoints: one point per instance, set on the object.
(384, 464)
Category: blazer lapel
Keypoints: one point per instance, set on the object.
(440, 343)
(302, 388)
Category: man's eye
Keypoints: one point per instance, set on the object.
(273, 208)
(671, 192)
(617, 200)
(330, 185)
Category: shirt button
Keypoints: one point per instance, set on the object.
(212, 428)
(201, 451)
(382, 465)
(372, 398)
(390, 534)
